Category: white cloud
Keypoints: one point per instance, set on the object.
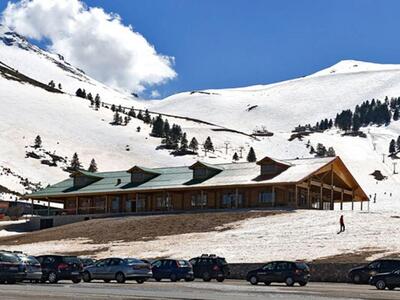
(93, 40)
(155, 94)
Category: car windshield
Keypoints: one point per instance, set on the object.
(131, 261)
(222, 261)
(71, 260)
(8, 257)
(302, 266)
(30, 260)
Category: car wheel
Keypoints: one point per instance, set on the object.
(380, 284)
(206, 277)
(107, 280)
(220, 279)
(253, 280)
(140, 281)
(120, 277)
(289, 281)
(52, 277)
(267, 283)
(303, 283)
(173, 278)
(76, 280)
(356, 278)
(86, 277)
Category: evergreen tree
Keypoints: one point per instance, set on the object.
(331, 152)
(251, 156)
(132, 113)
(208, 145)
(158, 127)
(235, 157)
(113, 108)
(38, 142)
(59, 86)
(89, 97)
(321, 150)
(398, 144)
(167, 129)
(75, 163)
(194, 145)
(52, 84)
(147, 117)
(356, 123)
(97, 101)
(392, 147)
(78, 92)
(93, 166)
(184, 143)
(138, 129)
(116, 118)
(139, 115)
(396, 115)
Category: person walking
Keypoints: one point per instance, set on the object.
(342, 227)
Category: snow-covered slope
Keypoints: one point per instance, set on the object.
(67, 124)
(282, 106)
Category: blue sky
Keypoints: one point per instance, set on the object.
(229, 43)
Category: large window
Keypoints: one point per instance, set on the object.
(163, 202)
(229, 200)
(199, 200)
(268, 169)
(266, 197)
(200, 173)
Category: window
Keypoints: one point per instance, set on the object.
(374, 265)
(157, 264)
(137, 177)
(269, 267)
(198, 200)
(268, 169)
(200, 173)
(163, 202)
(266, 197)
(115, 262)
(282, 266)
(229, 199)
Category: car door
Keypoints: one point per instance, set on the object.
(99, 269)
(114, 266)
(48, 264)
(372, 269)
(195, 264)
(156, 268)
(265, 274)
(281, 271)
(393, 279)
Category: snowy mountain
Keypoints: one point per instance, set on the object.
(69, 124)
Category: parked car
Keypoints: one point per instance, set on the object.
(12, 269)
(58, 267)
(86, 261)
(280, 271)
(389, 280)
(119, 269)
(172, 269)
(33, 268)
(362, 274)
(210, 267)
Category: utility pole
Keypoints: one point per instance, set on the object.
(374, 144)
(226, 147)
(394, 167)
(383, 157)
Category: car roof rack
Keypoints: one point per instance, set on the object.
(204, 255)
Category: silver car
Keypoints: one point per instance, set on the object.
(119, 269)
(32, 267)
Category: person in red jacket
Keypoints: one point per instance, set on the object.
(342, 227)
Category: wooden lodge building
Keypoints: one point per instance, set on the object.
(314, 183)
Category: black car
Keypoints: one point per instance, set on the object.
(362, 274)
(12, 269)
(389, 280)
(280, 271)
(58, 267)
(172, 269)
(210, 267)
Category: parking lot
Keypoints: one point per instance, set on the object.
(229, 290)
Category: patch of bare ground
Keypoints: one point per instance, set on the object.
(360, 256)
(138, 228)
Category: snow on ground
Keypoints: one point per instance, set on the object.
(302, 234)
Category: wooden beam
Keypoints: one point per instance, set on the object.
(296, 195)
(332, 205)
(341, 200)
(308, 195)
(76, 204)
(273, 196)
(321, 202)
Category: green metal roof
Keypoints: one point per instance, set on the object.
(182, 178)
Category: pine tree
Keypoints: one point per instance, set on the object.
(75, 163)
(396, 114)
(147, 117)
(331, 152)
(52, 84)
(90, 97)
(398, 144)
(167, 129)
(139, 115)
(138, 129)
(83, 93)
(38, 142)
(116, 118)
(208, 145)
(392, 147)
(59, 86)
(158, 127)
(184, 143)
(321, 150)
(113, 108)
(93, 166)
(78, 92)
(356, 123)
(132, 113)
(194, 145)
(235, 157)
(251, 156)
(97, 101)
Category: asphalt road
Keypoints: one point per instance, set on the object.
(197, 290)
